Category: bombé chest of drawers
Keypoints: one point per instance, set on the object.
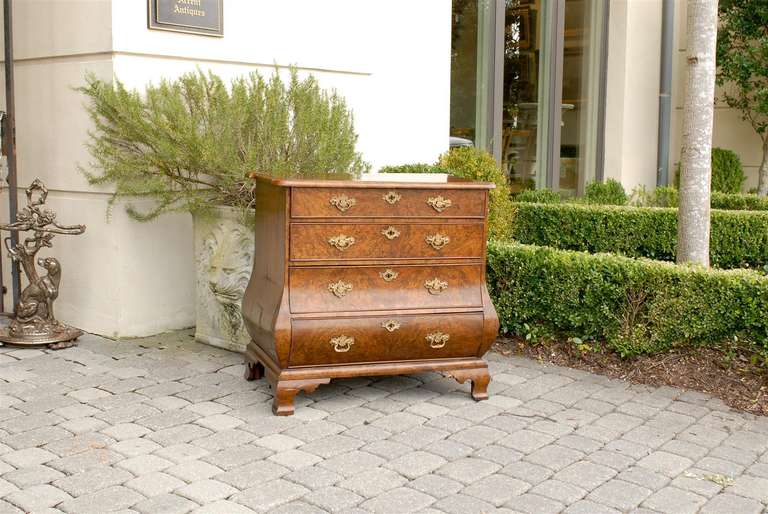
(377, 276)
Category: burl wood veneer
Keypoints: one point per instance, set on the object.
(368, 277)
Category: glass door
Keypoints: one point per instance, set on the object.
(544, 124)
(472, 72)
(524, 87)
(464, 60)
(581, 69)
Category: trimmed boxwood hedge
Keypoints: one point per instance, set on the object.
(636, 306)
(667, 197)
(739, 239)
(659, 197)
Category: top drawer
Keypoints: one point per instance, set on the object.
(327, 202)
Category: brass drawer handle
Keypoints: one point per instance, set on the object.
(437, 339)
(341, 242)
(340, 288)
(388, 275)
(437, 241)
(436, 286)
(439, 203)
(390, 233)
(391, 198)
(342, 343)
(390, 325)
(343, 202)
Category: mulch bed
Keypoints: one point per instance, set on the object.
(731, 378)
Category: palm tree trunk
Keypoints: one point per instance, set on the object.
(696, 169)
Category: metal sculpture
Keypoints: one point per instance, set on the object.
(34, 323)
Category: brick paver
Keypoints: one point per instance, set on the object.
(164, 424)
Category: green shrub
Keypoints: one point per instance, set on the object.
(740, 202)
(190, 143)
(537, 196)
(413, 168)
(664, 197)
(610, 192)
(667, 197)
(739, 238)
(636, 306)
(474, 164)
(727, 173)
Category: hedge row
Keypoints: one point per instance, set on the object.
(739, 239)
(659, 197)
(637, 306)
(668, 197)
(739, 201)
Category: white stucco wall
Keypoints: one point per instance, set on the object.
(631, 128)
(632, 102)
(391, 61)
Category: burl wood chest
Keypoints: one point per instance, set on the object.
(377, 276)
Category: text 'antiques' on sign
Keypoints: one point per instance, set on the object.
(192, 16)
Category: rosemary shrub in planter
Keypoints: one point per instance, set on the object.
(189, 144)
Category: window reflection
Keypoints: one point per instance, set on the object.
(581, 89)
(464, 53)
(520, 115)
(530, 68)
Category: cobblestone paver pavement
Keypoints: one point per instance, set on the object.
(166, 425)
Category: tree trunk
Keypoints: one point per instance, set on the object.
(696, 166)
(762, 180)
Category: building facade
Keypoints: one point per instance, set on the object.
(562, 91)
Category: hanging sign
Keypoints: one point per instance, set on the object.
(192, 16)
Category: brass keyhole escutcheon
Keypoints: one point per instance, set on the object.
(340, 288)
(342, 343)
(390, 325)
(436, 286)
(343, 202)
(437, 241)
(439, 203)
(390, 233)
(341, 242)
(388, 275)
(437, 339)
(391, 197)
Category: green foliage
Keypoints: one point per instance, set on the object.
(189, 144)
(610, 192)
(739, 238)
(537, 196)
(742, 59)
(667, 197)
(414, 168)
(474, 164)
(740, 202)
(636, 306)
(727, 174)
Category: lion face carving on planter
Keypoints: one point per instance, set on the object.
(224, 259)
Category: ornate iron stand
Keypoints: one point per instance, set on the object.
(34, 323)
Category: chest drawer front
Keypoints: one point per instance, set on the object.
(386, 203)
(385, 338)
(341, 241)
(365, 288)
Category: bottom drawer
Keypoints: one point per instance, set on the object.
(385, 338)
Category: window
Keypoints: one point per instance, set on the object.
(526, 84)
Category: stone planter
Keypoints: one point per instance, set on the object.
(223, 259)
